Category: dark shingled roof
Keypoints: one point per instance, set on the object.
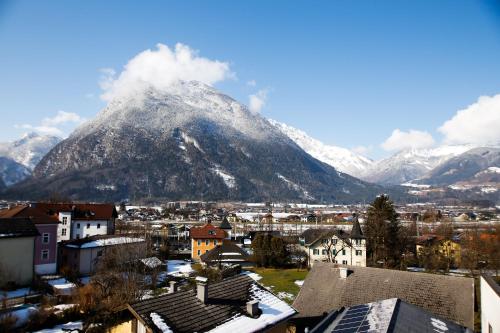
(226, 252)
(225, 225)
(356, 232)
(311, 236)
(390, 315)
(446, 296)
(17, 227)
(184, 312)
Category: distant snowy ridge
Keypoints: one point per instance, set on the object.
(340, 158)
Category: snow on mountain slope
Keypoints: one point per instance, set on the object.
(411, 164)
(341, 159)
(186, 142)
(12, 172)
(30, 149)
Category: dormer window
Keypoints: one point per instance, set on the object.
(211, 232)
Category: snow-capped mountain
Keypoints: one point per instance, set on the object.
(340, 158)
(12, 172)
(410, 164)
(29, 149)
(187, 142)
(19, 158)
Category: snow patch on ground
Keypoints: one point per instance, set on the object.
(62, 286)
(108, 242)
(299, 282)
(15, 293)
(72, 326)
(179, 268)
(228, 179)
(254, 276)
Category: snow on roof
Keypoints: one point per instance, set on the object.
(107, 242)
(158, 321)
(273, 310)
(62, 286)
(151, 262)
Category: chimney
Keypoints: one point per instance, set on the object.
(344, 272)
(173, 287)
(202, 289)
(253, 308)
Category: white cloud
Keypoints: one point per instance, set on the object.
(400, 140)
(251, 83)
(161, 68)
(479, 123)
(257, 100)
(362, 150)
(55, 125)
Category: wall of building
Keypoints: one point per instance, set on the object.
(203, 247)
(490, 308)
(16, 260)
(48, 265)
(350, 257)
(86, 228)
(64, 229)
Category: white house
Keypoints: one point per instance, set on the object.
(490, 305)
(334, 245)
(82, 220)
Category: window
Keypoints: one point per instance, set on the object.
(343, 252)
(63, 232)
(206, 251)
(45, 238)
(207, 241)
(65, 220)
(78, 225)
(98, 226)
(215, 241)
(88, 225)
(199, 241)
(334, 241)
(316, 251)
(323, 252)
(359, 252)
(99, 253)
(211, 232)
(357, 241)
(334, 252)
(45, 254)
(77, 236)
(344, 262)
(199, 252)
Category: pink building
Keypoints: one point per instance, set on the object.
(45, 254)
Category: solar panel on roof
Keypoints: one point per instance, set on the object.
(354, 320)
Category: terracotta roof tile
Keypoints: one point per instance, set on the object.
(208, 231)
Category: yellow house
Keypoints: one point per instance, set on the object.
(446, 247)
(205, 238)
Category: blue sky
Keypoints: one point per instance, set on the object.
(347, 72)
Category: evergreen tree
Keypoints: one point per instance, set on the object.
(383, 232)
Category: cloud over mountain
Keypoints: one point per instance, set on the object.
(479, 123)
(160, 69)
(400, 140)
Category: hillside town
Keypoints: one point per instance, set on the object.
(87, 267)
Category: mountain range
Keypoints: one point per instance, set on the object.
(193, 142)
(187, 142)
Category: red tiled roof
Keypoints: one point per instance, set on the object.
(36, 214)
(207, 231)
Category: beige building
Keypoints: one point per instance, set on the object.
(17, 247)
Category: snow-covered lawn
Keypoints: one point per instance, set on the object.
(61, 307)
(72, 326)
(179, 268)
(15, 293)
(22, 313)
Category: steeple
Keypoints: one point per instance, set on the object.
(356, 231)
